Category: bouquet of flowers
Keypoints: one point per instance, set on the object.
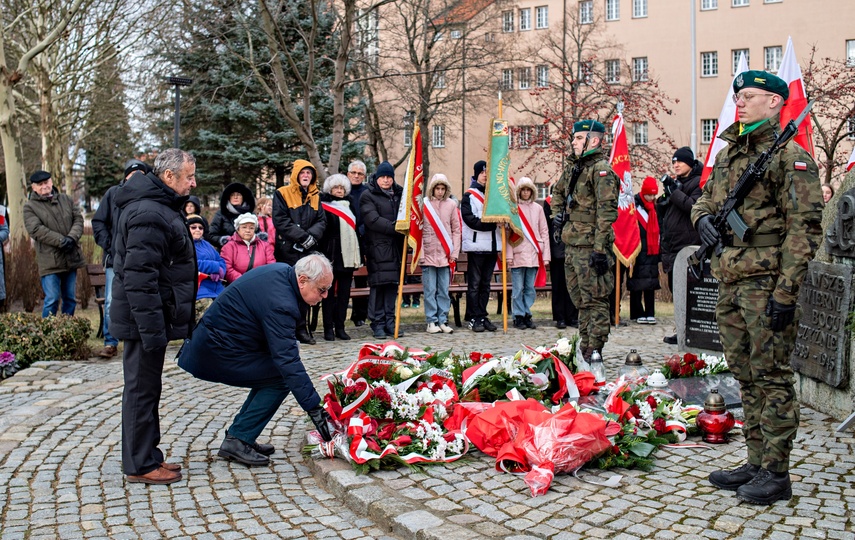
(690, 365)
(8, 365)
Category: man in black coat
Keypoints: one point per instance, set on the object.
(154, 293)
(246, 339)
(356, 174)
(680, 193)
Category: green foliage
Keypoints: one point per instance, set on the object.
(31, 338)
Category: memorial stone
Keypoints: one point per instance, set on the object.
(701, 326)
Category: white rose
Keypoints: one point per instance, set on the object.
(405, 372)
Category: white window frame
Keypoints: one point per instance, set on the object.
(437, 137)
(734, 55)
(541, 134)
(525, 19)
(851, 135)
(639, 9)
(613, 71)
(708, 5)
(507, 79)
(772, 57)
(850, 52)
(508, 21)
(640, 68)
(456, 34)
(524, 134)
(586, 12)
(541, 76)
(524, 78)
(772, 1)
(707, 130)
(439, 80)
(612, 10)
(541, 17)
(640, 134)
(739, 3)
(409, 118)
(709, 64)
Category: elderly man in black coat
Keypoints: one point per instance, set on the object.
(154, 294)
(246, 339)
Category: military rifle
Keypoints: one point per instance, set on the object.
(728, 218)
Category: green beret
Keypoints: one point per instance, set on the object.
(589, 125)
(763, 80)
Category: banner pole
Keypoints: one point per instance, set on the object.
(401, 287)
(504, 282)
(617, 293)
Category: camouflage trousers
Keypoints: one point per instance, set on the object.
(590, 293)
(760, 361)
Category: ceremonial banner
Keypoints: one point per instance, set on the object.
(627, 243)
(500, 205)
(725, 120)
(851, 160)
(409, 220)
(796, 103)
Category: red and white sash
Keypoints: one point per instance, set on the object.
(528, 232)
(442, 233)
(343, 213)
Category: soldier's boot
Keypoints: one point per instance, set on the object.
(734, 478)
(766, 488)
(587, 352)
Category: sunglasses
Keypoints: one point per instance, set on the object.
(192, 227)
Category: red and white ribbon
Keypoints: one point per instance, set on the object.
(342, 213)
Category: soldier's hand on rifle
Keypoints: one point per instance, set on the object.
(599, 262)
(780, 316)
(558, 222)
(709, 234)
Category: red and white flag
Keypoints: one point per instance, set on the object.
(851, 160)
(409, 218)
(796, 103)
(627, 244)
(726, 119)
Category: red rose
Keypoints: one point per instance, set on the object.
(372, 445)
(486, 356)
(386, 431)
(376, 372)
(686, 371)
(360, 386)
(349, 390)
(652, 402)
(383, 395)
(616, 449)
(700, 364)
(690, 358)
(402, 441)
(634, 411)
(475, 356)
(659, 426)
(449, 437)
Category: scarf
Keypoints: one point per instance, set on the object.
(293, 195)
(650, 223)
(350, 256)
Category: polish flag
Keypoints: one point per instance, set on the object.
(851, 160)
(796, 103)
(726, 119)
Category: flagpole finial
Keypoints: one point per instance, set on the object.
(620, 107)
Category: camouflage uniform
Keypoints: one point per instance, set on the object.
(783, 211)
(589, 229)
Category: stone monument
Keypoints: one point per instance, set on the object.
(694, 308)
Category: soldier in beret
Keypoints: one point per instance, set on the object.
(584, 211)
(759, 280)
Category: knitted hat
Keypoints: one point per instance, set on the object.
(685, 155)
(136, 165)
(246, 218)
(649, 186)
(385, 169)
(480, 167)
(195, 218)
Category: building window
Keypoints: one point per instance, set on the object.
(541, 134)
(439, 80)
(409, 119)
(709, 64)
(524, 134)
(541, 15)
(586, 72)
(507, 21)
(525, 19)
(488, 36)
(456, 34)
(542, 191)
(639, 69)
(612, 71)
(640, 133)
(369, 36)
(639, 8)
(524, 75)
(438, 137)
(735, 53)
(850, 52)
(739, 3)
(541, 76)
(586, 12)
(852, 128)
(707, 130)
(612, 10)
(709, 4)
(507, 79)
(772, 58)
(772, 1)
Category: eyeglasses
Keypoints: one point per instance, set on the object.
(192, 227)
(323, 290)
(746, 97)
(356, 173)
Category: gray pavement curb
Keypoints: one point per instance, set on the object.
(400, 515)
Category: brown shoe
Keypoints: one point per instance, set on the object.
(108, 352)
(157, 476)
(174, 467)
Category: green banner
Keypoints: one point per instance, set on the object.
(500, 202)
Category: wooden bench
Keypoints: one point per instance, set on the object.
(98, 280)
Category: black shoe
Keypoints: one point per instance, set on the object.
(560, 324)
(237, 450)
(573, 322)
(341, 334)
(766, 488)
(671, 340)
(732, 479)
(488, 326)
(476, 325)
(303, 336)
(263, 449)
(529, 323)
(358, 323)
(380, 334)
(329, 335)
(519, 322)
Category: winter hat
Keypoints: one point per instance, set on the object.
(39, 176)
(136, 165)
(195, 218)
(246, 218)
(479, 167)
(384, 169)
(334, 180)
(649, 186)
(685, 155)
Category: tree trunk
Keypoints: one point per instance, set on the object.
(13, 155)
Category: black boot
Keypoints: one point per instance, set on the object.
(671, 340)
(263, 449)
(732, 479)
(341, 334)
(528, 322)
(560, 324)
(329, 335)
(303, 336)
(490, 327)
(519, 322)
(237, 450)
(766, 488)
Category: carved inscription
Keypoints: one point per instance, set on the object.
(840, 237)
(822, 345)
(701, 326)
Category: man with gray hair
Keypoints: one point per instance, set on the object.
(154, 293)
(356, 175)
(247, 339)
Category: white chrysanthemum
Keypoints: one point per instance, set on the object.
(444, 394)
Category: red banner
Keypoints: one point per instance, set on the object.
(627, 244)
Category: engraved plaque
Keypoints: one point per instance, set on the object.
(701, 326)
(822, 342)
(840, 236)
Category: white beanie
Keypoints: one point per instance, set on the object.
(245, 218)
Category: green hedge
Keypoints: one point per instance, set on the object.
(32, 338)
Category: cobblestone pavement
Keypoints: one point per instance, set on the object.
(60, 469)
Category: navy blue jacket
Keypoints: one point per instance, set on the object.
(246, 338)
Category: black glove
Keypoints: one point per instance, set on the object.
(262, 236)
(709, 234)
(320, 417)
(599, 262)
(309, 242)
(67, 244)
(558, 222)
(780, 316)
(223, 240)
(667, 184)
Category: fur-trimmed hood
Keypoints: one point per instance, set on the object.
(436, 180)
(525, 182)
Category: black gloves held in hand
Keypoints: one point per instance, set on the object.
(709, 234)
(780, 316)
(67, 244)
(599, 262)
(262, 236)
(320, 417)
(671, 185)
(558, 222)
(309, 242)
